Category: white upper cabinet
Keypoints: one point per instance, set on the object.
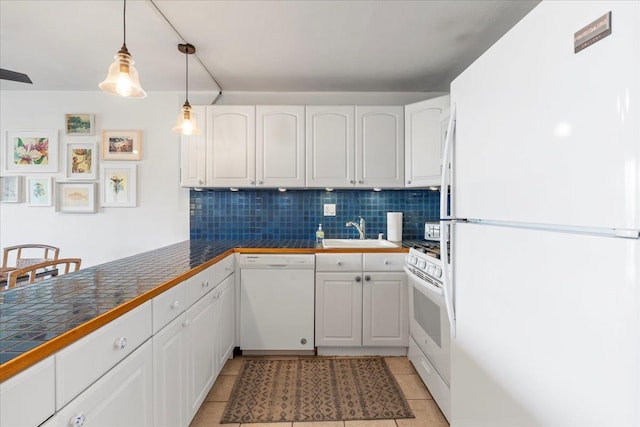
(379, 146)
(330, 146)
(280, 160)
(231, 146)
(192, 153)
(425, 127)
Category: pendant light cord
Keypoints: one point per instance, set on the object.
(186, 76)
(124, 23)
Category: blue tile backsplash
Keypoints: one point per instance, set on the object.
(295, 214)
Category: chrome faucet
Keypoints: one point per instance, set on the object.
(360, 227)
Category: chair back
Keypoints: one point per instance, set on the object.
(29, 254)
(42, 270)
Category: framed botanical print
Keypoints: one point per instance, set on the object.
(118, 185)
(10, 189)
(79, 124)
(122, 145)
(76, 197)
(31, 151)
(39, 191)
(81, 160)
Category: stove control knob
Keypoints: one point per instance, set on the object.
(438, 272)
(430, 269)
(422, 264)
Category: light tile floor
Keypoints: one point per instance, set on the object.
(424, 408)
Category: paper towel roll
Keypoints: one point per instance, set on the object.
(394, 226)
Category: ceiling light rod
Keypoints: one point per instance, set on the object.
(183, 39)
(122, 78)
(186, 123)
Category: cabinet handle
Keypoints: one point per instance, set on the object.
(252, 182)
(358, 279)
(409, 182)
(339, 263)
(175, 304)
(205, 284)
(260, 182)
(352, 182)
(120, 343)
(386, 262)
(78, 420)
(367, 278)
(200, 182)
(360, 182)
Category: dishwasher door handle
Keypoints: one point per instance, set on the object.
(277, 265)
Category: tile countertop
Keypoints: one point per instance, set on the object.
(40, 319)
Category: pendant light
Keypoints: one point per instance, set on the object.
(186, 123)
(123, 77)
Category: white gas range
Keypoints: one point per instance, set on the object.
(429, 345)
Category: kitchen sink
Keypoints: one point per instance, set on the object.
(358, 243)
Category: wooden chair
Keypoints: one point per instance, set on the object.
(43, 270)
(14, 258)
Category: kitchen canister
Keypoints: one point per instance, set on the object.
(394, 226)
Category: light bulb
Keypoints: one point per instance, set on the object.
(187, 127)
(123, 84)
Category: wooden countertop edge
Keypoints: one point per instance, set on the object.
(35, 355)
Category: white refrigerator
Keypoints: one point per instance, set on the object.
(545, 261)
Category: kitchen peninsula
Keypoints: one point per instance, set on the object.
(40, 320)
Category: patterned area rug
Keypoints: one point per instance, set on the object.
(315, 389)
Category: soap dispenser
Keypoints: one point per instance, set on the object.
(319, 234)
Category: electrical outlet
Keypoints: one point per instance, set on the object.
(330, 209)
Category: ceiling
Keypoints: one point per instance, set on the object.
(368, 46)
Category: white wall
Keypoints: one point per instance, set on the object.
(162, 213)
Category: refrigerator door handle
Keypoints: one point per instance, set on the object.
(446, 161)
(447, 280)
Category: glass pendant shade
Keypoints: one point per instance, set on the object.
(187, 121)
(122, 78)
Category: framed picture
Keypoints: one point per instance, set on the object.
(31, 151)
(79, 124)
(39, 191)
(76, 197)
(81, 160)
(122, 145)
(118, 185)
(11, 189)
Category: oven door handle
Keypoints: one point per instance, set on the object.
(425, 283)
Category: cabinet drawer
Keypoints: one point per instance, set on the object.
(384, 262)
(199, 285)
(122, 397)
(28, 398)
(84, 361)
(338, 262)
(168, 305)
(222, 269)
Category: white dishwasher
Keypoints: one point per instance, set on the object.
(277, 302)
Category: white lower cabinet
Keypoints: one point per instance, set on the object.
(201, 360)
(189, 352)
(122, 397)
(224, 307)
(28, 398)
(361, 300)
(169, 374)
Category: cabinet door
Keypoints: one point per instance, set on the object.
(193, 153)
(121, 397)
(225, 321)
(379, 147)
(231, 145)
(338, 309)
(330, 146)
(201, 366)
(280, 160)
(385, 310)
(170, 374)
(29, 398)
(424, 136)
